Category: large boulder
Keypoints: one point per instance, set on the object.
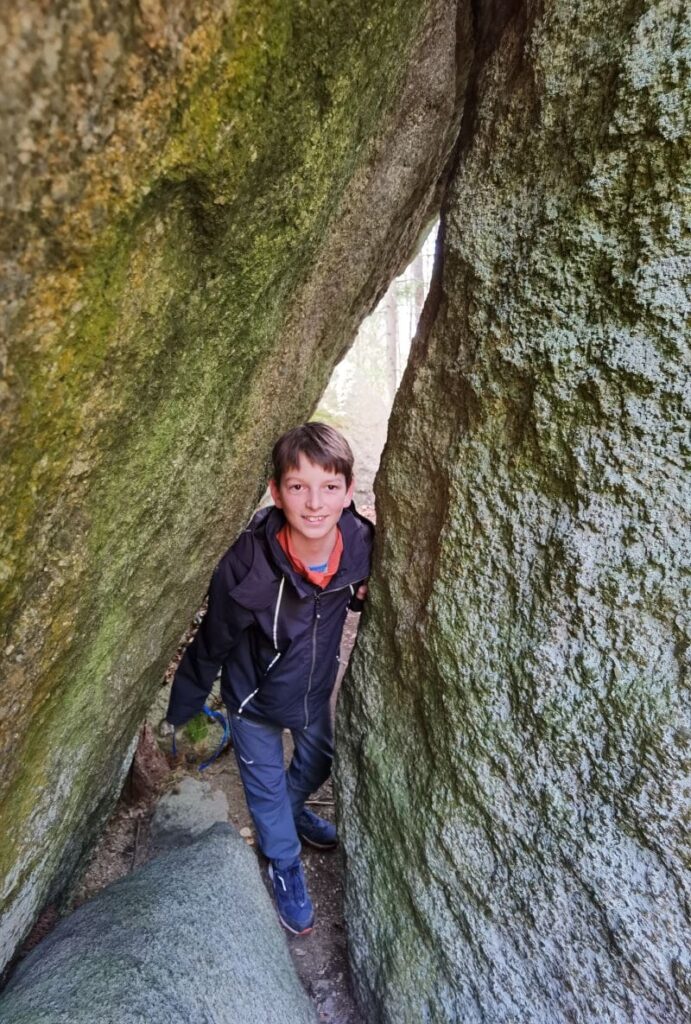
(190, 938)
(200, 203)
(514, 737)
(186, 811)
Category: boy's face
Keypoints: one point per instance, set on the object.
(312, 499)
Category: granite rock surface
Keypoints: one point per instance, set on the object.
(192, 937)
(190, 808)
(514, 734)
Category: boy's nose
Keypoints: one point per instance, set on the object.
(314, 499)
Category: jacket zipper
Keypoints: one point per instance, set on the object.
(317, 616)
(314, 657)
(347, 586)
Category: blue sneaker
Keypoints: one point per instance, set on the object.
(295, 910)
(316, 831)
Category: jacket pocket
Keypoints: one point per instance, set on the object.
(274, 661)
(265, 656)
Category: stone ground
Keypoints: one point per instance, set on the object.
(320, 958)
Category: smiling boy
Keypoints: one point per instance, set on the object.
(277, 604)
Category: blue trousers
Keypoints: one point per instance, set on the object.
(276, 796)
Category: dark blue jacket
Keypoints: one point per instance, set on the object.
(274, 635)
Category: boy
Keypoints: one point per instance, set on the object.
(277, 604)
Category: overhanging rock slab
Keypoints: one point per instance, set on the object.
(184, 190)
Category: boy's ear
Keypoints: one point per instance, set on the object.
(349, 493)
(275, 493)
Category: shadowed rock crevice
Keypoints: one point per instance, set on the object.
(186, 190)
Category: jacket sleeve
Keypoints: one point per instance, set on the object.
(357, 603)
(219, 631)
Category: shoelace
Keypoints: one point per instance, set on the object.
(295, 887)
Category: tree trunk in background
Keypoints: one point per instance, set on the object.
(514, 734)
(392, 353)
(418, 271)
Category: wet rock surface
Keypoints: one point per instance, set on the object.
(190, 937)
(514, 743)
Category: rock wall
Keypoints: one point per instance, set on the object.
(514, 732)
(200, 203)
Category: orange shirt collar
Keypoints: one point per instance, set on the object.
(320, 579)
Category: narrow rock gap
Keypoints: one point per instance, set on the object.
(359, 397)
(184, 208)
(187, 197)
(358, 400)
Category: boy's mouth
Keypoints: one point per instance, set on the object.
(314, 519)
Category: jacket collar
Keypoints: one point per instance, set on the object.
(357, 543)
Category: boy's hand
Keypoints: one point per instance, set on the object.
(361, 592)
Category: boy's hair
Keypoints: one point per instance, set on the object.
(319, 443)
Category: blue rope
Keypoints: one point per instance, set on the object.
(216, 716)
(219, 717)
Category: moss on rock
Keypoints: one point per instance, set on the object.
(183, 202)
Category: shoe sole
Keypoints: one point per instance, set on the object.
(305, 931)
(317, 846)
